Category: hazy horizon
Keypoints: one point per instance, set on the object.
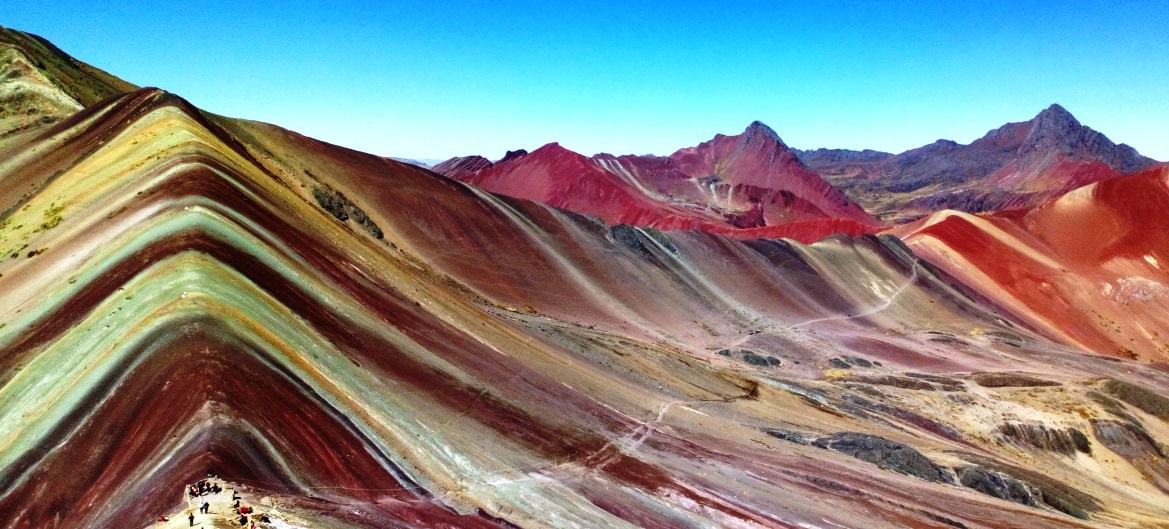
(428, 80)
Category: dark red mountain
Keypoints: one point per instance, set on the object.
(748, 185)
(462, 165)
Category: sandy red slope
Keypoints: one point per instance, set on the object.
(1086, 268)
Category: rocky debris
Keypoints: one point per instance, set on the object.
(336, 203)
(924, 383)
(1136, 446)
(788, 435)
(1053, 493)
(943, 383)
(944, 337)
(1010, 380)
(998, 484)
(849, 362)
(1144, 399)
(1047, 492)
(889, 455)
(639, 239)
(628, 237)
(892, 381)
(1067, 441)
(751, 357)
(759, 360)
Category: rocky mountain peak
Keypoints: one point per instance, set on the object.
(1055, 127)
(759, 130)
(1056, 114)
(1055, 130)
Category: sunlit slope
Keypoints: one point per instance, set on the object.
(1085, 269)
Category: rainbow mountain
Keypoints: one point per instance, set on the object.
(350, 341)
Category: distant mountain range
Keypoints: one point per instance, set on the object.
(425, 163)
(1014, 166)
(754, 185)
(746, 186)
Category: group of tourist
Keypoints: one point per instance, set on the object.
(204, 487)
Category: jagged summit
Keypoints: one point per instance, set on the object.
(517, 153)
(1016, 165)
(758, 128)
(1055, 130)
(1057, 113)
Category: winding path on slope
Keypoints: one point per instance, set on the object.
(869, 311)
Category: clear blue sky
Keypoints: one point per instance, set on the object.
(431, 79)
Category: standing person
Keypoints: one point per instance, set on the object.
(190, 518)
